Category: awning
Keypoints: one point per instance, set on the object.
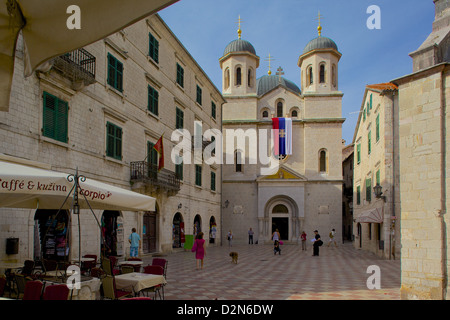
(371, 216)
(28, 187)
(46, 32)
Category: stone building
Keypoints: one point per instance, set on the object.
(376, 227)
(347, 191)
(423, 144)
(101, 109)
(304, 192)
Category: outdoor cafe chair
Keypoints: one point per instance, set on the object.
(97, 272)
(126, 268)
(21, 281)
(161, 262)
(33, 290)
(111, 292)
(108, 267)
(158, 270)
(56, 292)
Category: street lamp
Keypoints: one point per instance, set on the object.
(378, 192)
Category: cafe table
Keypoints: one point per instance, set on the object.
(138, 281)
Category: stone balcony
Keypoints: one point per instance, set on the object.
(146, 176)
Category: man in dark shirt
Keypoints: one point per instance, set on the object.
(316, 243)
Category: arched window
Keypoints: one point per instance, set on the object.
(323, 161)
(250, 78)
(238, 161)
(309, 75)
(238, 76)
(294, 114)
(322, 73)
(280, 109)
(333, 75)
(227, 78)
(265, 114)
(280, 208)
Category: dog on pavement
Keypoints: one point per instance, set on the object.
(234, 257)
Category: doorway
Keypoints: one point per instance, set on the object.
(282, 224)
(110, 232)
(149, 233)
(178, 231)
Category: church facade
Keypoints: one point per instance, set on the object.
(304, 192)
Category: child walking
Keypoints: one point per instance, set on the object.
(276, 247)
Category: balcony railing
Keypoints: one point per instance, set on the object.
(78, 65)
(142, 171)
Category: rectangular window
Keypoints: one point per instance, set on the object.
(378, 177)
(377, 132)
(153, 97)
(115, 73)
(370, 103)
(198, 175)
(369, 189)
(213, 109)
(213, 181)
(358, 153)
(369, 142)
(199, 95)
(179, 169)
(55, 118)
(179, 121)
(180, 75)
(153, 50)
(113, 141)
(364, 114)
(358, 195)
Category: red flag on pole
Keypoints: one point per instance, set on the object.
(160, 149)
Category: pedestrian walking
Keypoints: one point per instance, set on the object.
(303, 238)
(276, 235)
(276, 247)
(199, 249)
(332, 236)
(230, 238)
(250, 236)
(135, 243)
(317, 243)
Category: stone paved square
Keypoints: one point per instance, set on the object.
(337, 274)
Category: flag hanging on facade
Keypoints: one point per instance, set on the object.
(282, 136)
(160, 149)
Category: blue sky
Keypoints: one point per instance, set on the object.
(284, 27)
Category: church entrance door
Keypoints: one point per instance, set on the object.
(282, 224)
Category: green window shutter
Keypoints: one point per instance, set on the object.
(179, 170)
(180, 75)
(115, 73)
(213, 181)
(113, 141)
(213, 109)
(198, 175)
(153, 100)
(358, 153)
(153, 48)
(358, 195)
(368, 189)
(370, 103)
(369, 142)
(55, 118)
(377, 133)
(378, 177)
(368, 108)
(199, 95)
(179, 119)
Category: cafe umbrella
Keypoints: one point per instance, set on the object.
(53, 27)
(23, 186)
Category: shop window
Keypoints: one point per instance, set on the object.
(53, 236)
